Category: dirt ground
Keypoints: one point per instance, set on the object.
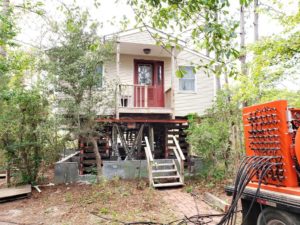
(127, 201)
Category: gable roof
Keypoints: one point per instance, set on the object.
(153, 32)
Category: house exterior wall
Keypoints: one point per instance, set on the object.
(127, 69)
(187, 102)
(141, 37)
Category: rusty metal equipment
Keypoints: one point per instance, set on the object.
(271, 129)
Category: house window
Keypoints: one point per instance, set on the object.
(159, 74)
(145, 72)
(99, 75)
(187, 82)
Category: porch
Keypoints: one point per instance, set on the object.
(142, 99)
(146, 80)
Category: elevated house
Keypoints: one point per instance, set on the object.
(152, 104)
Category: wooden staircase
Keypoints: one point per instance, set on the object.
(179, 131)
(165, 172)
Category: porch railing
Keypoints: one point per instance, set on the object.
(133, 95)
(139, 96)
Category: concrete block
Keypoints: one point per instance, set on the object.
(66, 172)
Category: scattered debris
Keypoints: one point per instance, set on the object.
(37, 188)
(215, 201)
(83, 182)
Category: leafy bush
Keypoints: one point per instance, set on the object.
(213, 138)
(23, 134)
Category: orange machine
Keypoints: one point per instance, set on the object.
(271, 129)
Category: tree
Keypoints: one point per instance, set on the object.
(210, 138)
(23, 115)
(255, 20)
(205, 21)
(275, 59)
(7, 33)
(75, 67)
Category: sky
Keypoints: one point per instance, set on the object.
(33, 29)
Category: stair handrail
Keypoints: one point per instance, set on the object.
(148, 149)
(149, 160)
(180, 157)
(178, 148)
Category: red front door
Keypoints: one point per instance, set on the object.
(149, 83)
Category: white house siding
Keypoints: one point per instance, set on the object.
(141, 37)
(201, 99)
(185, 103)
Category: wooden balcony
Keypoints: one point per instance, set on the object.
(142, 99)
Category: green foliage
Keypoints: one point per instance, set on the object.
(22, 137)
(24, 122)
(75, 68)
(275, 59)
(207, 22)
(7, 26)
(211, 138)
(293, 97)
(7, 33)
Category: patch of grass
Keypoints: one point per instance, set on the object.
(69, 197)
(104, 211)
(189, 189)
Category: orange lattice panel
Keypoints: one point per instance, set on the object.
(267, 133)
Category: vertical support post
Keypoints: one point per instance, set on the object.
(115, 146)
(151, 138)
(166, 142)
(173, 72)
(118, 77)
(81, 149)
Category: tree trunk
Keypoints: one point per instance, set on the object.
(242, 41)
(218, 78)
(5, 6)
(243, 45)
(255, 21)
(98, 158)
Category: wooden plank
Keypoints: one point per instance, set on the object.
(68, 157)
(174, 184)
(215, 201)
(112, 120)
(2, 175)
(7, 194)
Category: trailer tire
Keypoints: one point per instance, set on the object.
(272, 216)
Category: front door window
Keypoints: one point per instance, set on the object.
(145, 72)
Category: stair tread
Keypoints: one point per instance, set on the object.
(166, 177)
(163, 164)
(168, 184)
(164, 171)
